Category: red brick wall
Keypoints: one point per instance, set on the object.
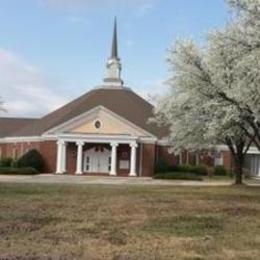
(123, 153)
(227, 160)
(18, 149)
(71, 158)
(187, 158)
(148, 159)
(3, 150)
(47, 149)
(163, 153)
(206, 159)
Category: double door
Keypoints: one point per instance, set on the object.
(97, 161)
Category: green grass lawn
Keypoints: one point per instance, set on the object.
(128, 222)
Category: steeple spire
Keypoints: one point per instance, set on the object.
(114, 52)
(113, 77)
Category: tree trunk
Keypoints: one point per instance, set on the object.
(238, 155)
(239, 172)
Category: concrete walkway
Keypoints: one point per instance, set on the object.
(67, 179)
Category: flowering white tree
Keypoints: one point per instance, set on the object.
(197, 117)
(235, 58)
(214, 95)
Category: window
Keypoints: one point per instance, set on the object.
(97, 124)
(87, 164)
(109, 163)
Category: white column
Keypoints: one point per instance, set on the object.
(79, 157)
(59, 157)
(64, 157)
(113, 159)
(133, 160)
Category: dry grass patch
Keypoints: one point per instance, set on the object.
(123, 222)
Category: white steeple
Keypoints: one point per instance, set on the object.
(113, 74)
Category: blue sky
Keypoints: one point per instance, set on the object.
(52, 51)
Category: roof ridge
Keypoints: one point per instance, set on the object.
(20, 118)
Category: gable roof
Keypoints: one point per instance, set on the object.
(123, 102)
(10, 125)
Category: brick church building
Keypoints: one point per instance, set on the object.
(106, 131)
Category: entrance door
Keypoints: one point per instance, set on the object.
(97, 161)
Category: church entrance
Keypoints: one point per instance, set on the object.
(97, 160)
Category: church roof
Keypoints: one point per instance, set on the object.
(9, 125)
(123, 102)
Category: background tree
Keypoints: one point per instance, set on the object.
(235, 61)
(197, 117)
(215, 93)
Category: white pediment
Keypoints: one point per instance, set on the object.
(100, 120)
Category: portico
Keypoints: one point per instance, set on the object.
(98, 155)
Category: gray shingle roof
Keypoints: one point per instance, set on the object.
(10, 125)
(123, 102)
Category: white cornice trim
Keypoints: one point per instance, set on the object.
(88, 138)
(147, 140)
(253, 150)
(224, 148)
(22, 139)
(164, 142)
(76, 137)
(99, 138)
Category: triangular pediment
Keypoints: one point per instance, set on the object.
(100, 120)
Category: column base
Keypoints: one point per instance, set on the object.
(133, 174)
(79, 173)
(113, 174)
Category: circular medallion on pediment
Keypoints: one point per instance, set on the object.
(97, 124)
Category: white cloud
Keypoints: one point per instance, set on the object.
(24, 88)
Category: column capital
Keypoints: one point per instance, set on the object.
(80, 143)
(133, 144)
(61, 142)
(114, 144)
